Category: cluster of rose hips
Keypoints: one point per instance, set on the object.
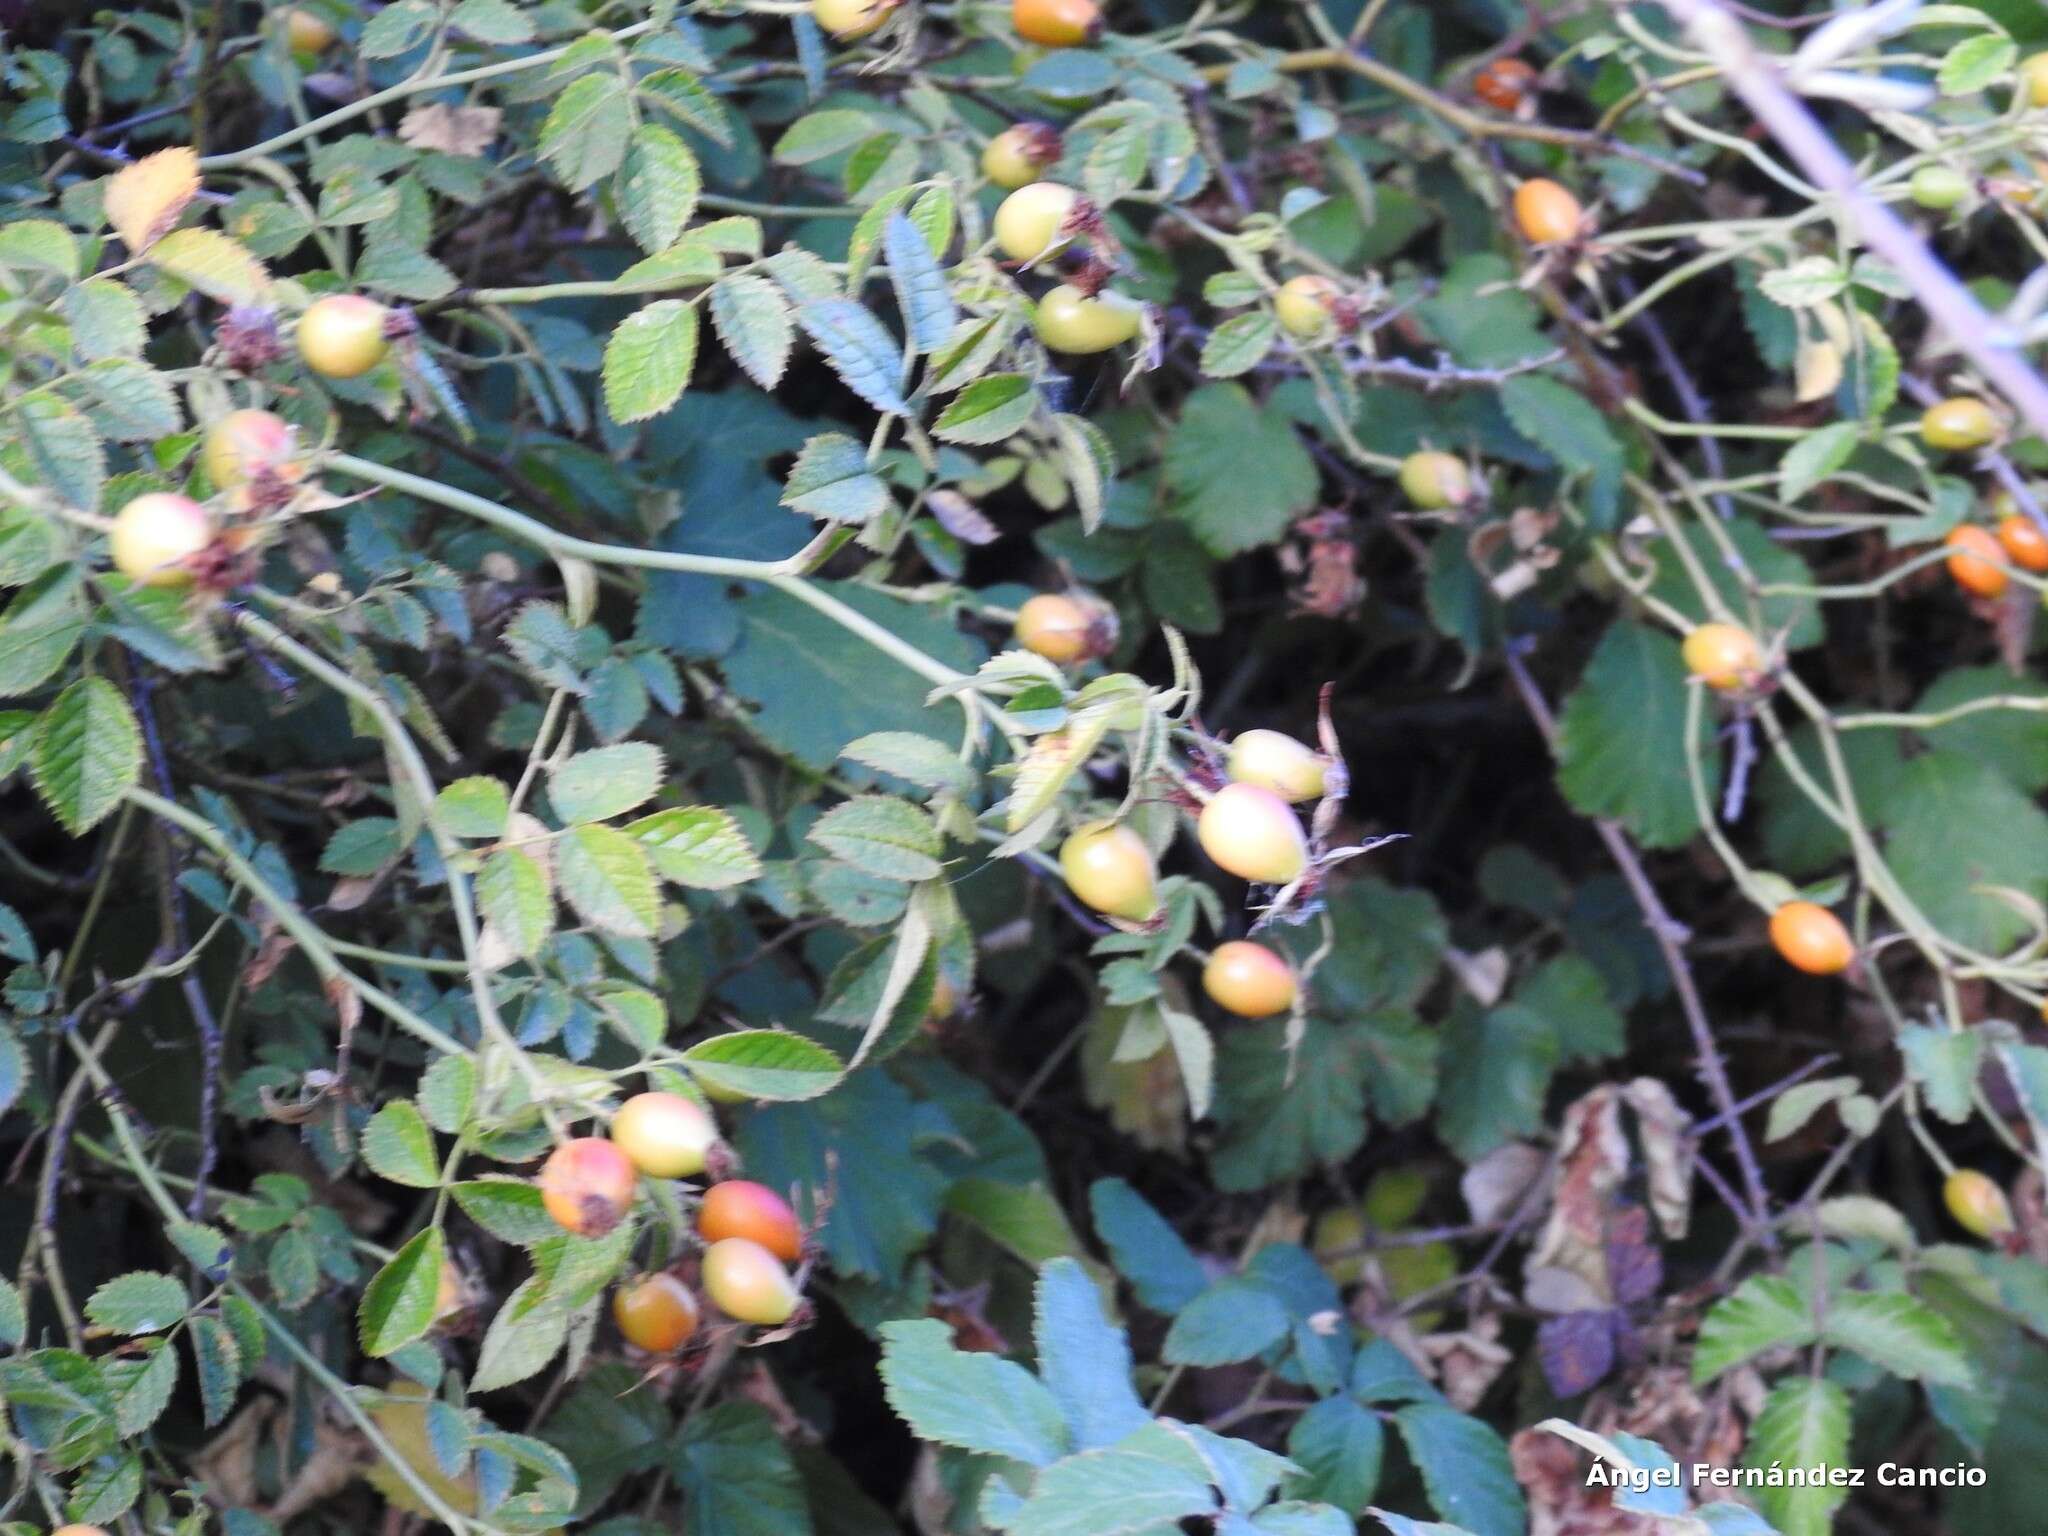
(1980, 558)
(750, 1233)
(167, 539)
(1048, 23)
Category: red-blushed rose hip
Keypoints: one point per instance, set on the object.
(1303, 305)
(155, 536)
(1434, 480)
(1812, 938)
(1057, 23)
(1975, 561)
(2023, 542)
(849, 20)
(665, 1135)
(657, 1312)
(587, 1184)
(1031, 222)
(1276, 761)
(1015, 157)
(244, 444)
(1249, 980)
(1546, 213)
(746, 1283)
(79, 1530)
(1504, 83)
(1066, 629)
(342, 335)
(1253, 834)
(1977, 1203)
(742, 1208)
(1108, 867)
(1723, 656)
(306, 32)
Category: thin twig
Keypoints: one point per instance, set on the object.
(1755, 1212)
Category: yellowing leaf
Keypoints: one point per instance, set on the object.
(144, 199)
(212, 263)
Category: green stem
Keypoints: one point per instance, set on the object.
(399, 92)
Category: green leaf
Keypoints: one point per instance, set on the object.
(608, 879)
(13, 1316)
(1956, 827)
(1238, 345)
(1897, 1333)
(1084, 1359)
(399, 1302)
(1234, 1319)
(107, 1490)
(866, 357)
(1815, 457)
(752, 320)
(1944, 1063)
(1976, 63)
(820, 135)
(974, 1401)
(1464, 1467)
(107, 319)
(525, 1335)
(141, 1301)
(1146, 1250)
(584, 137)
(907, 755)
(508, 1209)
(362, 847)
(988, 410)
(1280, 1117)
(2014, 741)
(858, 1141)
(882, 835)
(1621, 736)
(396, 28)
(1339, 1444)
(217, 1365)
(142, 1387)
(832, 479)
(814, 691)
(1496, 1071)
(922, 298)
(88, 753)
(686, 98)
(700, 846)
(66, 452)
(767, 1064)
(513, 895)
(1221, 430)
(658, 186)
(1804, 1423)
(492, 21)
(1764, 560)
(1765, 1312)
(473, 807)
(1145, 1486)
(399, 1144)
(605, 781)
(447, 1093)
(212, 264)
(735, 1475)
(1567, 426)
(648, 360)
(130, 402)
